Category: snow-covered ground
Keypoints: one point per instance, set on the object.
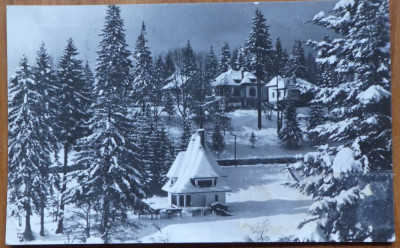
(258, 200)
(267, 145)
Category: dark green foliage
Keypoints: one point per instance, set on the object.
(297, 61)
(252, 139)
(280, 59)
(290, 135)
(317, 117)
(225, 59)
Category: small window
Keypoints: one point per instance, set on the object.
(273, 94)
(188, 200)
(216, 198)
(252, 91)
(205, 183)
(181, 200)
(236, 92)
(173, 200)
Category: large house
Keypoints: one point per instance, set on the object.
(238, 87)
(195, 178)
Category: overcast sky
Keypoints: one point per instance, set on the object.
(168, 26)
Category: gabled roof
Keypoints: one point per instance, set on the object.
(234, 78)
(195, 162)
(277, 80)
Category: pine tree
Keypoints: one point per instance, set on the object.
(210, 70)
(311, 69)
(110, 161)
(290, 135)
(217, 139)
(143, 138)
(259, 47)
(225, 59)
(169, 104)
(317, 117)
(74, 102)
(280, 60)
(185, 137)
(326, 62)
(169, 66)
(162, 160)
(29, 146)
(45, 83)
(143, 78)
(241, 62)
(354, 200)
(252, 139)
(160, 76)
(297, 61)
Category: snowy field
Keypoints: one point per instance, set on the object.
(258, 200)
(257, 197)
(267, 145)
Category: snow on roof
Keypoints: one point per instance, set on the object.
(195, 162)
(301, 83)
(174, 170)
(234, 78)
(175, 81)
(277, 80)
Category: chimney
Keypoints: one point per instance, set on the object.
(200, 132)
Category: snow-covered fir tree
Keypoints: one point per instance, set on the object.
(110, 161)
(169, 65)
(290, 135)
(326, 62)
(259, 47)
(29, 147)
(185, 136)
(143, 78)
(160, 75)
(143, 141)
(312, 69)
(169, 104)
(352, 182)
(162, 159)
(45, 80)
(74, 100)
(241, 62)
(297, 61)
(280, 59)
(225, 62)
(317, 117)
(210, 70)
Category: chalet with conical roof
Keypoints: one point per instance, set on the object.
(195, 178)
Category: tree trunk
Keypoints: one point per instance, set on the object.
(28, 236)
(105, 226)
(60, 227)
(42, 219)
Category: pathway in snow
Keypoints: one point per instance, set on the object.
(257, 197)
